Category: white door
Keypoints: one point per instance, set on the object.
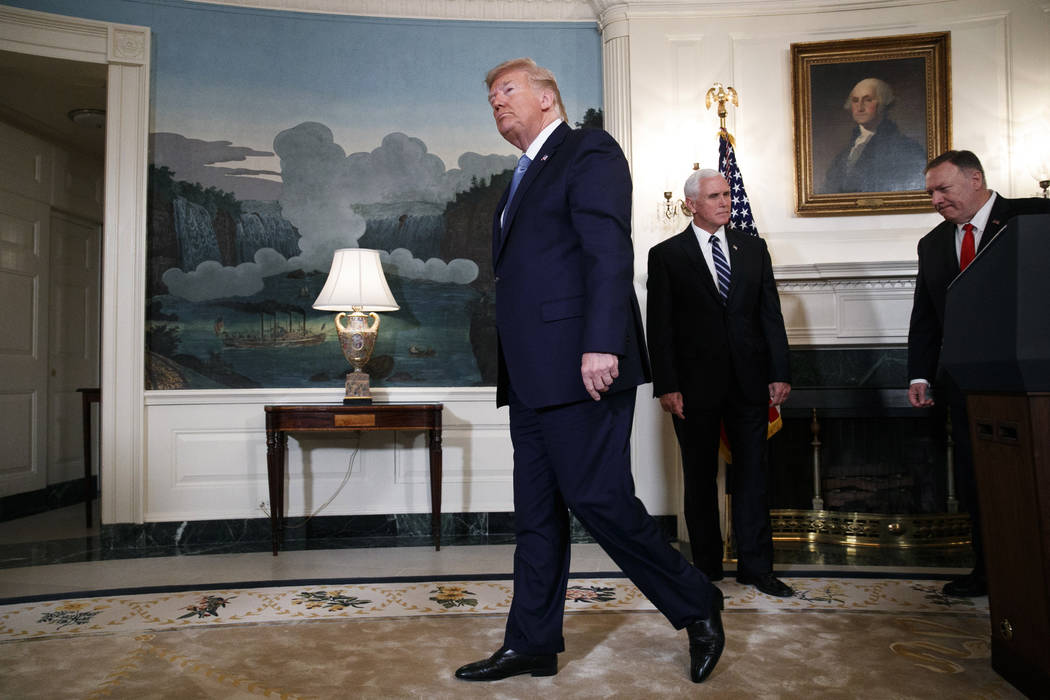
(24, 260)
(73, 341)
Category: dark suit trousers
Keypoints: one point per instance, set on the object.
(577, 457)
(698, 437)
(965, 476)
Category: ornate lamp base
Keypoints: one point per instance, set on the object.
(358, 391)
(357, 339)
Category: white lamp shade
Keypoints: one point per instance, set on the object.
(356, 280)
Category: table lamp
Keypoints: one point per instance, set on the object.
(356, 284)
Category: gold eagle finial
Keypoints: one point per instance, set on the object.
(721, 94)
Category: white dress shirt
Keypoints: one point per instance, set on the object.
(980, 224)
(531, 151)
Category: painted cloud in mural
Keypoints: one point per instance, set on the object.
(319, 189)
(194, 160)
(213, 281)
(322, 184)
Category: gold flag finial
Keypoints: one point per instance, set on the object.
(721, 94)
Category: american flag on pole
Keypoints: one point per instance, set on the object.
(740, 219)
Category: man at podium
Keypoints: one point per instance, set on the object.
(973, 215)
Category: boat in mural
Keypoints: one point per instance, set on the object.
(274, 336)
(421, 352)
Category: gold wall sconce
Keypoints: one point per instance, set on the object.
(670, 208)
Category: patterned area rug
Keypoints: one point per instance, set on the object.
(884, 638)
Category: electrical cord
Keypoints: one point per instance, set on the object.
(346, 478)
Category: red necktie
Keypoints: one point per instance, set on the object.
(966, 252)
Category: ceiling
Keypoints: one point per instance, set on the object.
(37, 94)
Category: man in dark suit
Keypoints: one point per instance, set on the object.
(973, 214)
(719, 355)
(571, 355)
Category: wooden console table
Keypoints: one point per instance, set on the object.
(281, 420)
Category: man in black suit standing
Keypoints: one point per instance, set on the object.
(973, 215)
(719, 355)
(571, 356)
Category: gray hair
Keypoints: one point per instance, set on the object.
(692, 183)
(883, 92)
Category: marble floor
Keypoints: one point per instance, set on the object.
(64, 530)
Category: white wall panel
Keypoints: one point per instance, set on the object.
(207, 458)
(989, 44)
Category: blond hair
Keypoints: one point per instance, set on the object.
(539, 79)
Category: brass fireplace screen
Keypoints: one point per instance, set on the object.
(875, 472)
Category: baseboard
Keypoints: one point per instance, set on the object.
(412, 529)
(61, 495)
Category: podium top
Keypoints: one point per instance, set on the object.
(997, 313)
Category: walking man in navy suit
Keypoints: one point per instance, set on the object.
(571, 356)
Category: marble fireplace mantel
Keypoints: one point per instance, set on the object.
(847, 303)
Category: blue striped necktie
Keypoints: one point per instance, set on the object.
(519, 172)
(721, 267)
(515, 180)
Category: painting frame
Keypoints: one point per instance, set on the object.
(921, 65)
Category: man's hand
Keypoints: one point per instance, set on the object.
(673, 404)
(778, 392)
(918, 396)
(599, 369)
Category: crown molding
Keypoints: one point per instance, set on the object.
(473, 10)
(868, 271)
(661, 9)
(602, 11)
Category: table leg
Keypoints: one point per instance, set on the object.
(89, 495)
(276, 444)
(435, 487)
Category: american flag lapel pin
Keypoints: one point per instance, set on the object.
(545, 156)
(734, 247)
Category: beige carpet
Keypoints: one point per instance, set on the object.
(838, 638)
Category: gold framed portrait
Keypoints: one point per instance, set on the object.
(869, 114)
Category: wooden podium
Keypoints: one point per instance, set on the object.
(997, 349)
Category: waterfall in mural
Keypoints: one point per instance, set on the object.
(264, 228)
(195, 234)
(422, 234)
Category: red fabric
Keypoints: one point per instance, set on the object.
(967, 252)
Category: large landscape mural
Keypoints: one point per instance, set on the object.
(278, 138)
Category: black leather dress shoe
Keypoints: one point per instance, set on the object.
(971, 585)
(506, 663)
(707, 639)
(768, 584)
(713, 574)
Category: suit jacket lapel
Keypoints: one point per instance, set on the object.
(737, 259)
(948, 259)
(497, 231)
(535, 168)
(690, 249)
